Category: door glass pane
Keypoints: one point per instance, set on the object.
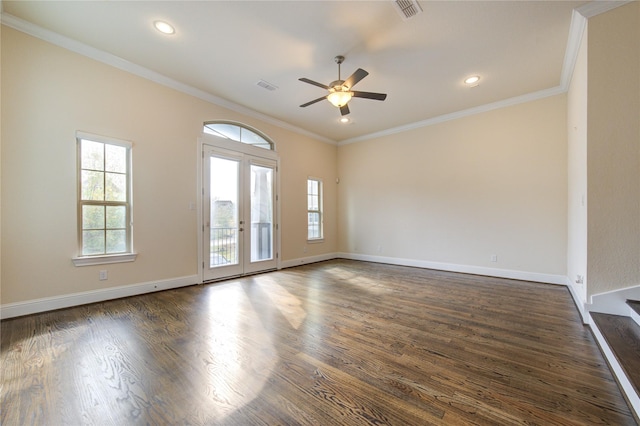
(238, 134)
(261, 213)
(223, 238)
(229, 131)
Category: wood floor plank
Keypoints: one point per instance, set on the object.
(334, 343)
(623, 336)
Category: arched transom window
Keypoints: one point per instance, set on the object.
(239, 133)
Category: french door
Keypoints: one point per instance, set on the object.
(239, 213)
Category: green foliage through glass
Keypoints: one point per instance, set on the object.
(104, 187)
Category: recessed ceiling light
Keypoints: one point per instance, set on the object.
(472, 81)
(164, 27)
(344, 119)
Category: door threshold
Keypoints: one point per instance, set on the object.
(231, 277)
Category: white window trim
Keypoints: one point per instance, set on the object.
(241, 126)
(320, 210)
(104, 259)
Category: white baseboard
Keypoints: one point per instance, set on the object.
(614, 302)
(634, 316)
(577, 300)
(11, 310)
(632, 397)
(466, 269)
(305, 260)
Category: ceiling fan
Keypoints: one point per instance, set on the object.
(340, 92)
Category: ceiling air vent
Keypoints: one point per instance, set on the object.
(267, 85)
(407, 8)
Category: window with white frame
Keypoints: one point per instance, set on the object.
(104, 196)
(239, 133)
(314, 209)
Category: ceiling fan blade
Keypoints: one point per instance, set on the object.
(313, 101)
(355, 77)
(344, 110)
(315, 83)
(370, 95)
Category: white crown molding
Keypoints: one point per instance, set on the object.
(576, 32)
(578, 24)
(124, 65)
(459, 114)
(579, 19)
(594, 8)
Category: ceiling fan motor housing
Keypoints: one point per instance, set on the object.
(340, 90)
(337, 84)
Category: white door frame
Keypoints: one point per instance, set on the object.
(222, 145)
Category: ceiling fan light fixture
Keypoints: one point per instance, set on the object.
(340, 92)
(339, 96)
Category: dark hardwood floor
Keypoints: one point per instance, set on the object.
(333, 343)
(623, 337)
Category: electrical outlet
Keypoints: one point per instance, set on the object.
(103, 275)
(494, 257)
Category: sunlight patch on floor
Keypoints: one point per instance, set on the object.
(234, 378)
(368, 284)
(288, 304)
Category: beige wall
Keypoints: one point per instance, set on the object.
(577, 174)
(461, 191)
(48, 94)
(613, 150)
(319, 162)
(454, 193)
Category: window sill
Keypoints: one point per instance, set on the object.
(316, 240)
(103, 260)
